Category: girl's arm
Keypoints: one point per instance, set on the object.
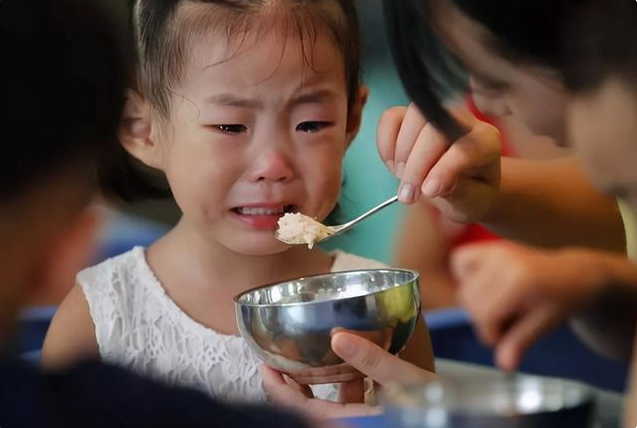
(71, 336)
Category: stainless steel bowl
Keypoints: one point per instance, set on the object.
(289, 324)
(509, 402)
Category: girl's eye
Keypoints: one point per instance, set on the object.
(231, 129)
(312, 127)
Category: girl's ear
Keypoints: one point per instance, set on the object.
(355, 115)
(135, 131)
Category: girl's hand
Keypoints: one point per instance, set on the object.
(366, 357)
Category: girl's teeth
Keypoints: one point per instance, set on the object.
(260, 211)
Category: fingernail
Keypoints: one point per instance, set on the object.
(431, 188)
(406, 193)
(400, 168)
(391, 166)
(343, 347)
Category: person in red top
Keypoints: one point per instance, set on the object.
(425, 238)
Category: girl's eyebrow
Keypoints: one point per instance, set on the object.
(231, 100)
(318, 96)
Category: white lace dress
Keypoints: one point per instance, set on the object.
(139, 327)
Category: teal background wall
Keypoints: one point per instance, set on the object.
(367, 181)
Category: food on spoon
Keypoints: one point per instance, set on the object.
(296, 228)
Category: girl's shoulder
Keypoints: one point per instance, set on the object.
(117, 291)
(126, 266)
(120, 281)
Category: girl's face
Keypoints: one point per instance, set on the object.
(531, 93)
(602, 126)
(258, 127)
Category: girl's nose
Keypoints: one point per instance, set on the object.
(272, 166)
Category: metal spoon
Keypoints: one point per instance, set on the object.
(328, 232)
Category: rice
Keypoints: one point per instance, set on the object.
(300, 229)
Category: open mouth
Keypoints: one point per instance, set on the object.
(264, 211)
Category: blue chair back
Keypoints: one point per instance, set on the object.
(32, 326)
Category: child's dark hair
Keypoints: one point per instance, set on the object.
(601, 42)
(63, 82)
(522, 31)
(163, 30)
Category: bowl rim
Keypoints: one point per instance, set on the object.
(237, 297)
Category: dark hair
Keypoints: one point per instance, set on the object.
(163, 31)
(601, 42)
(63, 82)
(527, 31)
(162, 39)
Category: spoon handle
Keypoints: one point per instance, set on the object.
(363, 216)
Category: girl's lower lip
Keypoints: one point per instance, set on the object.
(259, 222)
